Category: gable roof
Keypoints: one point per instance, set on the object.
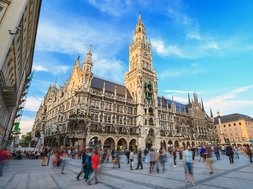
(98, 83)
(233, 117)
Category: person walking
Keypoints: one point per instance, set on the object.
(127, 155)
(249, 152)
(163, 159)
(44, 158)
(157, 160)
(217, 152)
(236, 151)
(152, 160)
(209, 160)
(131, 156)
(88, 168)
(139, 157)
(95, 166)
(188, 165)
(83, 165)
(230, 153)
(174, 154)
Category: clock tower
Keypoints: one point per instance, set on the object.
(141, 81)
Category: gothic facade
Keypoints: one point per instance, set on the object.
(88, 110)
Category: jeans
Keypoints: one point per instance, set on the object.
(231, 158)
(82, 171)
(131, 164)
(139, 164)
(217, 156)
(174, 160)
(93, 176)
(88, 171)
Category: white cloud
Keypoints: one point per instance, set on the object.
(109, 68)
(26, 124)
(190, 25)
(229, 102)
(51, 68)
(33, 103)
(179, 91)
(193, 69)
(169, 50)
(113, 7)
(228, 96)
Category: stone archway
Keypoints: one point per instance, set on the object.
(54, 143)
(183, 144)
(150, 139)
(193, 144)
(67, 141)
(163, 144)
(188, 144)
(109, 143)
(95, 142)
(133, 144)
(170, 143)
(176, 144)
(122, 144)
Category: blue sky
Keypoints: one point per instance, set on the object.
(202, 46)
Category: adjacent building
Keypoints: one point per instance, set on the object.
(235, 128)
(18, 28)
(89, 110)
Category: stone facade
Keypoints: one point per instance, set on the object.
(88, 110)
(18, 29)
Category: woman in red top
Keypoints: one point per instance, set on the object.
(95, 166)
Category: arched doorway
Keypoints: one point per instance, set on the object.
(193, 144)
(170, 144)
(67, 141)
(188, 144)
(183, 144)
(95, 142)
(54, 143)
(109, 143)
(133, 144)
(122, 144)
(176, 144)
(150, 139)
(163, 144)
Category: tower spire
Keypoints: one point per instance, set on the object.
(189, 100)
(202, 105)
(211, 112)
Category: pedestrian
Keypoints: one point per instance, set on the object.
(4, 156)
(48, 156)
(127, 155)
(95, 166)
(174, 154)
(88, 168)
(63, 157)
(152, 160)
(249, 152)
(188, 166)
(83, 165)
(117, 156)
(193, 153)
(209, 160)
(163, 159)
(157, 160)
(131, 156)
(217, 152)
(44, 158)
(230, 153)
(139, 158)
(236, 151)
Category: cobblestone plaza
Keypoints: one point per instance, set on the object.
(22, 174)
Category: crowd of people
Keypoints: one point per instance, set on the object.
(91, 158)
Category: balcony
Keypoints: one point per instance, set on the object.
(9, 92)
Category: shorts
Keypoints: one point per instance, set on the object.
(189, 167)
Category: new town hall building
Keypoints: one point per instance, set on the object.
(89, 110)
